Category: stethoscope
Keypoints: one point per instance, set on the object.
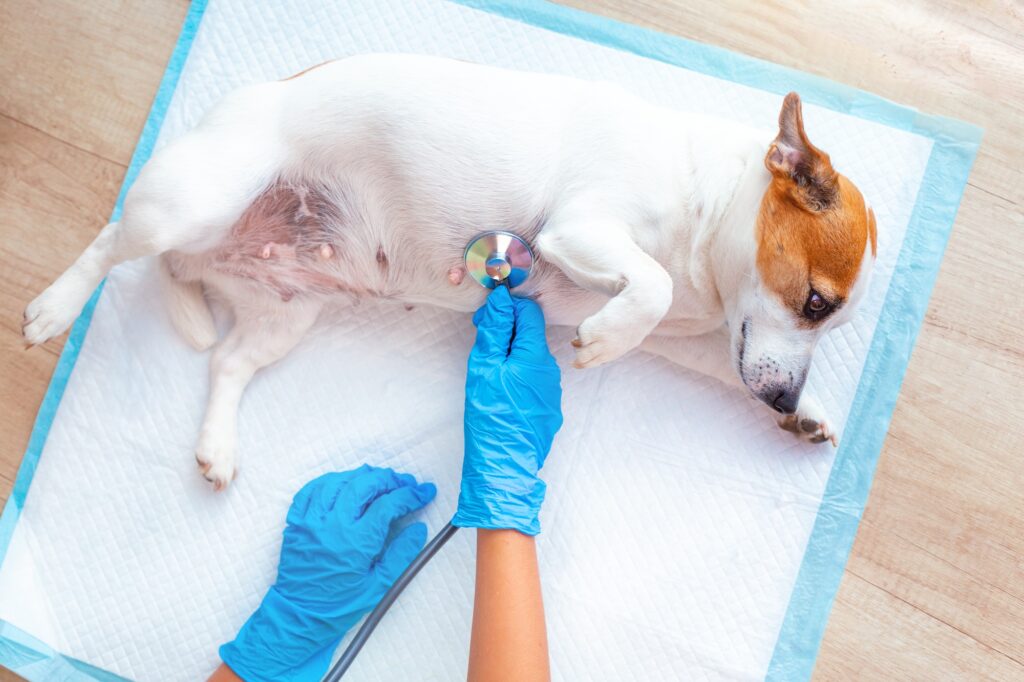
(493, 259)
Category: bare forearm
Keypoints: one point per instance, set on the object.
(509, 640)
(224, 674)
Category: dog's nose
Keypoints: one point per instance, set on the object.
(786, 401)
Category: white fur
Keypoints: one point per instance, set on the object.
(188, 309)
(643, 218)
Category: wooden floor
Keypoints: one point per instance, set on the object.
(935, 586)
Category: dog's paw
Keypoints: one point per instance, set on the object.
(50, 313)
(598, 343)
(216, 462)
(808, 423)
(600, 340)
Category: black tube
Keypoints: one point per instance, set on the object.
(354, 647)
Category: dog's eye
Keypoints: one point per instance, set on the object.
(816, 307)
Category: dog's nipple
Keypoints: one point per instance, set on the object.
(456, 274)
(268, 249)
(326, 251)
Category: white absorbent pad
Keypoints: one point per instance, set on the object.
(685, 536)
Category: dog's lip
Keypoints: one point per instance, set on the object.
(742, 349)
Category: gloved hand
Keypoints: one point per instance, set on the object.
(513, 410)
(335, 566)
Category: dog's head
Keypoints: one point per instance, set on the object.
(815, 245)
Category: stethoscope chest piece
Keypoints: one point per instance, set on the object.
(494, 258)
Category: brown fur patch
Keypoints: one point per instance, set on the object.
(799, 249)
(307, 70)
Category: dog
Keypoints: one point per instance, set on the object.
(726, 249)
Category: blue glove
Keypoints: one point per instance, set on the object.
(335, 566)
(513, 410)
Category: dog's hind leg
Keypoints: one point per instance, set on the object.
(186, 304)
(185, 198)
(261, 336)
(55, 309)
(601, 256)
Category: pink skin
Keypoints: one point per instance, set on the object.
(285, 240)
(282, 240)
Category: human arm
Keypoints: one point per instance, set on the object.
(513, 410)
(224, 674)
(509, 639)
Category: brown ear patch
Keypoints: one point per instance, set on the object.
(800, 249)
(805, 171)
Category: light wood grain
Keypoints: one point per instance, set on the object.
(935, 584)
(883, 637)
(52, 197)
(86, 72)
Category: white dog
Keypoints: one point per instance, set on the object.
(725, 249)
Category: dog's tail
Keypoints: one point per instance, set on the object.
(187, 306)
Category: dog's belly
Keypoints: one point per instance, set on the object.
(298, 242)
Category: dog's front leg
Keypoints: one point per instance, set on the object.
(709, 354)
(706, 353)
(255, 341)
(601, 256)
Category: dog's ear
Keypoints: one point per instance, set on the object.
(793, 159)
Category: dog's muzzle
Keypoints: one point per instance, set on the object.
(781, 399)
(768, 378)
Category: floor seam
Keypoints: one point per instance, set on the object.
(936, 618)
(63, 141)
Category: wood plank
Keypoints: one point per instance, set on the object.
(878, 636)
(54, 198)
(941, 589)
(86, 72)
(976, 291)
